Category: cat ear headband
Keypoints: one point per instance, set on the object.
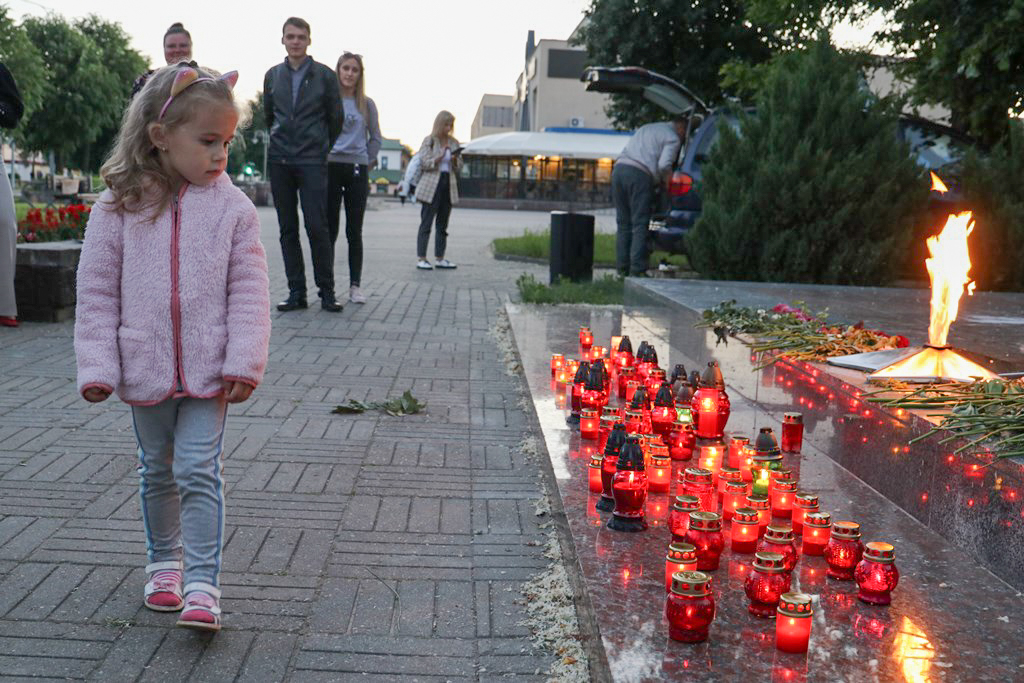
(189, 76)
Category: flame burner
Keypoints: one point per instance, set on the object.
(934, 364)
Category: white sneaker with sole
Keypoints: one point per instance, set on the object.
(423, 264)
(356, 296)
(445, 263)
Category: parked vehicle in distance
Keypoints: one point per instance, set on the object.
(935, 146)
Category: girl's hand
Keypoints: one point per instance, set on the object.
(236, 392)
(95, 395)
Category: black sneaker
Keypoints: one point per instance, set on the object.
(329, 303)
(293, 303)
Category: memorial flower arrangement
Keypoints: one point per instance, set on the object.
(53, 225)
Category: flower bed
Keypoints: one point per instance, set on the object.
(54, 225)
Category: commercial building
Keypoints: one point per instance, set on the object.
(494, 115)
(391, 162)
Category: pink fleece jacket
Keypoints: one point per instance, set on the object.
(184, 299)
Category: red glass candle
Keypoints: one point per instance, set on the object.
(586, 337)
(629, 489)
(764, 513)
(735, 457)
(594, 468)
(744, 530)
(605, 426)
(578, 382)
(557, 363)
(705, 534)
(803, 503)
(589, 423)
(681, 440)
(613, 347)
(660, 474)
(597, 352)
(690, 607)
(624, 354)
(663, 412)
(766, 584)
(735, 497)
(779, 539)
(876, 574)
(610, 465)
(711, 459)
(726, 475)
(634, 422)
(679, 516)
(710, 404)
(793, 622)
(655, 378)
(792, 432)
(747, 458)
(624, 376)
(682, 557)
(844, 550)
(697, 482)
(816, 533)
(783, 491)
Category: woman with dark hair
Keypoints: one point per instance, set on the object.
(348, 166)
(437, 191)
(177, 48)
(11, 110)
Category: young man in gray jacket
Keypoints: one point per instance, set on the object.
(302, 106)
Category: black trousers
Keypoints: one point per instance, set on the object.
(440, 208)
(349, 183)
(290, 184)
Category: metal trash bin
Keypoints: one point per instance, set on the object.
(572, 246)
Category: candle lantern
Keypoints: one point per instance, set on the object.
(632, 386)
(792, 432)
(561, 378)
(604, 428)
(764, 513)
(766, 584)
(589, 423)
(679, 515)
(572, 365)
(876, 574)
(727, 474)
(710, 404)
(735, 497)
(661, 470)
(624, 357)
(663, 413)
(557, 363)
(613, 347)
(586, 337)
(705, 534)
(634, 421)
(578, 384)
(690, 607)
(655, 378)
(744, 530)
(612, 448)
(711, 460)
(782, 494)
(678, 375)
(695, 380)
(747, 460)
(803, 503)
(735, 456)
(766, 457)
(779, 539)
(816, 533)
(597, 352)
(594, 473)
(697, 482)
(681, 440)
(793, 622)
(629, 489)
(844, 550)
(682, 557)
(684, 396)
(625, 375)
(595, 390)
(646, 358)
(641, 401)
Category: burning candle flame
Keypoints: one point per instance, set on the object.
(948, 268)
(937, 184)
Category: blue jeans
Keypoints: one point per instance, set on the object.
(632, 191)
(180, 445)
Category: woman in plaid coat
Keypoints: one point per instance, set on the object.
(437, 189)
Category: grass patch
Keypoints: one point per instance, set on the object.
(537, 245)
(605, 290)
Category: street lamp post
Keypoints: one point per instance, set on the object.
(264, 137)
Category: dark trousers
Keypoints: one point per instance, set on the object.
(631, 191)
(309, 182)
(440, 209)
(349, 183)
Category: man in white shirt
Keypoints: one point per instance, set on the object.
(648, 159)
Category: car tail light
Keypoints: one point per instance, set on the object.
(680, 184)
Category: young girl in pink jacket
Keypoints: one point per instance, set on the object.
(174, 315)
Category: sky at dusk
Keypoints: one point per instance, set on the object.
(420, 57)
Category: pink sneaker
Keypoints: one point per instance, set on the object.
(202, 608)
(163, 592)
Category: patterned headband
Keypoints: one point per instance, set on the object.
(189, 76)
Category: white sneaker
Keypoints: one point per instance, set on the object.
(424, 264)
(356, 296)
(445, 263)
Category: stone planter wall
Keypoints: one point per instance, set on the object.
(44, 280)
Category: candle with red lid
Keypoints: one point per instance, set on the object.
(766, 584)
(816, 533)
(710, 404)
(679, 515)
(660, 474)
(589, 423)
(697, 482)
(792, 432)
(783, 491)
(779, 539)
(681, 440)
(705, 534)
(682, 557)
(557, 363)
(844, 550)
(735, 496)
(612, 447)
(744, 530)
(764, 513)
(629, 489)
(803, 503)
(586, 337)
(793, 622)
(876, 574)
(594, 473)
(690, 607)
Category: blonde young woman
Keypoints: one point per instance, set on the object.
(348, 166)
(437, 190)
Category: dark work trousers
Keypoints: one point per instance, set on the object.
(631, 191)
(309, 182)
(348, 182)
(440, 208)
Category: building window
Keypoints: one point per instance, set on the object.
(383, 162)
(566, 63)
(497, 117)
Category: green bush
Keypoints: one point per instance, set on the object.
(606, 290)
(538, 245)
(816, 187)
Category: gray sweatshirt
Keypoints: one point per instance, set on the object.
(360, 138)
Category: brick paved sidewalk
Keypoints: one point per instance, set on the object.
(438, 506)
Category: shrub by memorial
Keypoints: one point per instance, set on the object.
(814, 187)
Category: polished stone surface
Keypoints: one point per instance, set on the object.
(951, 619)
